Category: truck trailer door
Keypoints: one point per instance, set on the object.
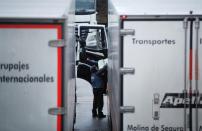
(158, 53)
(30, 77)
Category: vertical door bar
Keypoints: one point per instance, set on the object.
(185, 25)
(197, 25)
(190, 74)
(59, 71)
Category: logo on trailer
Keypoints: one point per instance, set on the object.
(178, 100)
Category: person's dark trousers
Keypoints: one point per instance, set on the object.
(98, 102)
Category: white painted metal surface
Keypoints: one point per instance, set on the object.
(140, 7)
(26, 28)
(157, 52)
(34, 8)
(28, 89)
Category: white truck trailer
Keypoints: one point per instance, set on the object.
(37, 61)
(159, 45)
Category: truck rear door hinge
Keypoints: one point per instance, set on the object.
(124, 32)
(125, 70)
(57, 111)
(127, 109)
(56, 43)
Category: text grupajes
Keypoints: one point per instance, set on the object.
(8, 74)
(19, 66)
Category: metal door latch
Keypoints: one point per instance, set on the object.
(197, 23)
(156, 106)
(185, 23)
